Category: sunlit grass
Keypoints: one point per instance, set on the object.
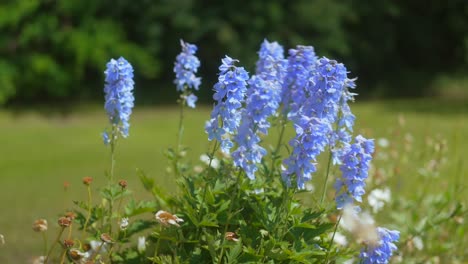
(41, 152)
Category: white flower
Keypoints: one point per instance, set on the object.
(124, 223)
(361, 225)
(418, 243)
(339, 239)
(214, 162)
(377, 198)
(309, 186)
(141, 246)
(383, 142)
(2, 240)
(95, 246)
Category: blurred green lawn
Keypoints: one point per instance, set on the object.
(38, 153)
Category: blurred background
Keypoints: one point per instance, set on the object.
(56, 51)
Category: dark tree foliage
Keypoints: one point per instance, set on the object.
(51, 49)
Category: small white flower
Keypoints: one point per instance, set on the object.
(418, 243)
(361, 225)
(2, 240)
(124, 223)
(383, 142)
(309, 186)
(141, 246)
(339, 239)
(95, 246)
(259, 191)
(205, 159)
(378, 197)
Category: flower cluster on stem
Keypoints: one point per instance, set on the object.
(355, 167)
(229, 95)
(119, 95)
(185, 67)
(383, 251)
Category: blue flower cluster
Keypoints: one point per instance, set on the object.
(118, 95)
(271, 62)
(383, 251)
(185, 67)
(313, 110)
(301, 66)
(355, 166)
(230, 91)
(263, 98)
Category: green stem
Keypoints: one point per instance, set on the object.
(274, 153)
(237, 191)
(111, 177)
(53, 245)
(95, 253)
(333, 237)
(44, 237)
(88, 216)
(156, 249)
(179, 137)
(62, 259)
(326, 178)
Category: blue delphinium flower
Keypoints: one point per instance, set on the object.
(118, 94)
(318, 101)
(311, 139)
(382, 252)
(300, 67)
(355, 168)
(229, 95)
(185, 67)
(270, 55)
(262, 101)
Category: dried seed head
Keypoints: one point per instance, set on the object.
(106, 238)
(123, 184)
(167, 219)
(231, 236)
(68, 243)
(87, 180)
(70, 215)
(75, 254)
(40, 225)
(64, 221)
(86, 247)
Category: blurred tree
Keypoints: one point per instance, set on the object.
(47, 48)
(58, 49)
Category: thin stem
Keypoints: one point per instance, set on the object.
(333, 237)
(215, 147)
(326, 178)
(237, 190)
(53, 245)
(88, 216)
(111, 177)
(179, 137)
(156, 249)
(62, 259)
(44, 237)
(95, 253)
(181, 126)
(274, 153)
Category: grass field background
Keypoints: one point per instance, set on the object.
(40, 150)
